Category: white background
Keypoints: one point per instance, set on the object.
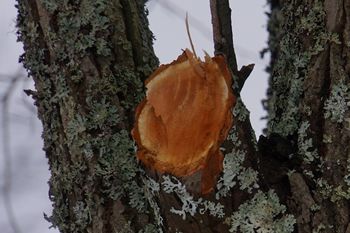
(29, 167)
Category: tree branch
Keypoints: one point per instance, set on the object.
(222, 31)
(223, 40)
(242, 129)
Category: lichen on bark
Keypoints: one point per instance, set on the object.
(307, 107)
(89, 60)
(88, 80)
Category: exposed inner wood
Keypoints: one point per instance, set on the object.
(185, 117)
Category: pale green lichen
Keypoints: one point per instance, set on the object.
(341, 191)
(305, 144)
(309, 173)
(152, 186)
(320, 228)
(189, 204)
(103, 114)
(240, 111)
(327, 138)
(50, 5)
(137, 197)
(334, 37)
(324, 188)
(231, 169)
(75, 127)
(311, 21)
(117, 168)
(254, 141)
(151, 190)
(214, 209)
(333, 193)
(290, 172)
(233, 137)
(347, 123)
(315, 207)
(82, 214)
(86, 98)
(264, 214)
(248, 179)
(87, 150)
(234, 171)
(291, 67)
(338, 103)
(347, 176)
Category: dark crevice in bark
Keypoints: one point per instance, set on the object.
(320, 120)
(131, 28)
(33, 6)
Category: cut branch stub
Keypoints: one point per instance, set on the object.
(185, 117)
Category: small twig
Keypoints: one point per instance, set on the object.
(221, 18)
(243, 74)
(29, 105)
(179, 12)
(7, 154)
(189, 36)
(196, 24)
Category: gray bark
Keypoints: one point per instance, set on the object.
(89, 60)
(308, 106)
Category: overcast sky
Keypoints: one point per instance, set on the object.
(29, 166)
(250, 36)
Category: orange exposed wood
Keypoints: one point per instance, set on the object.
(185, 117)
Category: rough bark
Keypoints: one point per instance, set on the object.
(308, 112)
(89, 60)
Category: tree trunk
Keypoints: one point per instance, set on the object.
(89, 60)
(308, 107)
